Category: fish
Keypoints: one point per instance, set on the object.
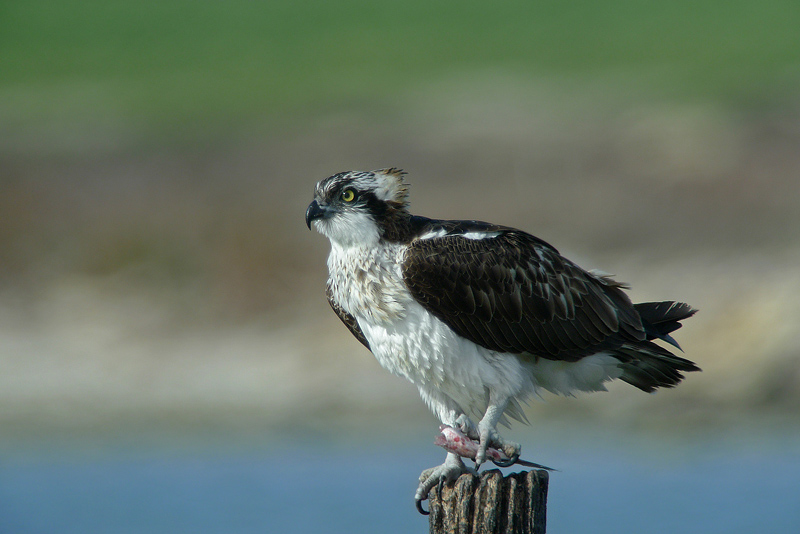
(453, 440)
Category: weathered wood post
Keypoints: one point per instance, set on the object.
(491, 504)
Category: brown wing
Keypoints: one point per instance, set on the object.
(514, 293)
(348, 320)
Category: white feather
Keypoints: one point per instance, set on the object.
(433, 234)
(480, 235)
(349, 229)
(453, 375)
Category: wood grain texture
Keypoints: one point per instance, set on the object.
(491, 503)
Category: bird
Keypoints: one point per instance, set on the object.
(480, 317)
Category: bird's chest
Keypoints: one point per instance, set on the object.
(368, 283)
(406, 339)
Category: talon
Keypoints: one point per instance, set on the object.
(480, 456)
(450, 470)
(508, 462)
(420, 509)
(440, 487)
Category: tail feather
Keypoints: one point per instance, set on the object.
(648, 366)
(662, 318)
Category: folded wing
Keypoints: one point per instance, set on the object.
(509, 291)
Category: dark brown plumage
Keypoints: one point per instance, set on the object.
(514, 293)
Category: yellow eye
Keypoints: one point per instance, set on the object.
(348, 195)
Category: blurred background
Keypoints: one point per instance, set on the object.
(168, 360)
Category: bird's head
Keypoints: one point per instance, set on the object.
(358, 208)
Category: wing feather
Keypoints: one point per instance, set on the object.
(348, 320)
(515, 293)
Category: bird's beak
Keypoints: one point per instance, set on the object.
(315, 211)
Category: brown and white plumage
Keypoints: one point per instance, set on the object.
(480, 316)
(513, 293)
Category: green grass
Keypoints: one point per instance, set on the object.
(171, 61)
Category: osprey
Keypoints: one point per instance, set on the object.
(480, 316)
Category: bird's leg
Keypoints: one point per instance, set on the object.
(487, 433)
(452, 468)
(448, 412)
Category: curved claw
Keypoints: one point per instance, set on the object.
(508, 462)
(418, 502)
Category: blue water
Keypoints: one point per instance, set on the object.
(607, 485)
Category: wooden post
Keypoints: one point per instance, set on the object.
(491, 503)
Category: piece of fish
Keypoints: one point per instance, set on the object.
(453, 440)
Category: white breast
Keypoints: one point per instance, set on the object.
(368, 282)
